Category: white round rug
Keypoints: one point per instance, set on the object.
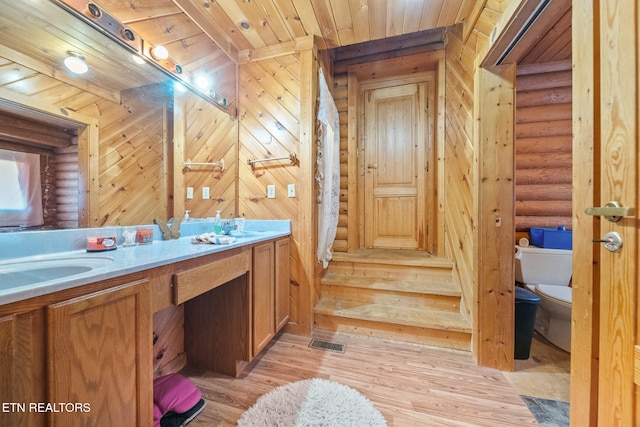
(314, 402)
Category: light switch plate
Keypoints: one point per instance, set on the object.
(291, 190)
(205, 193)
(189, 192)
(271, 191)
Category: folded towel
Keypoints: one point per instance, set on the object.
(213, 238)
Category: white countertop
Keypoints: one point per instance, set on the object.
(121, 261)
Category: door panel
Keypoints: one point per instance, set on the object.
(395, 147)
(604, 389)
(619, 181)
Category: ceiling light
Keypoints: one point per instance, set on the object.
(202, 82)
(75, 63)
(159, 53)
(179, 87)
(137, 59)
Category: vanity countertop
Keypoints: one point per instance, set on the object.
(54, 249)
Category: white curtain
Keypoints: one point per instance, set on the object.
(21, 196)
(327, 171)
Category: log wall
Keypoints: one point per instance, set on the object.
(340, 95)
(543, 145)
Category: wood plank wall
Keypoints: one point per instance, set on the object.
(211, 135)
(465, 46)
(133, 172)
(543, 145)
(135, 150)
(269, 126)
(459, 155)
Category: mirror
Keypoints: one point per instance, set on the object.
(119, 115)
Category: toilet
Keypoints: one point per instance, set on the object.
(547, 272)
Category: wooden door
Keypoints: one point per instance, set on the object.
(619, 181)
(99, 350)
(395, 166)
(605, 350)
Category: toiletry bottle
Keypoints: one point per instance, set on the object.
(217, 224)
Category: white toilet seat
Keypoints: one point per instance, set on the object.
(562, 295)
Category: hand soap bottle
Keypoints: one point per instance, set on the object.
(217, 223)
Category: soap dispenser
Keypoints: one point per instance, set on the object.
(217, 223)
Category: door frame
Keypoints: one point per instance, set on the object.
(394, 68)
(428, 186)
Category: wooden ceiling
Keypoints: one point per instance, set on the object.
(213, 36)
(237, 25)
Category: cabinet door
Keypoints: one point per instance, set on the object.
(263, 279)
(99, 356)
(282, 283)
(22, 356)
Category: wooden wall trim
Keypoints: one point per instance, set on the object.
(440, 140)
(268, 52)
(89, 175)
(179, 145)
(494, 209)
(353, 215)
(470, 24)
(306, 237)
(586, 289)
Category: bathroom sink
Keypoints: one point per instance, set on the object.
(35, 271)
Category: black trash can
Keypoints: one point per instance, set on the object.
(526, 308)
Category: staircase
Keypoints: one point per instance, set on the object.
(399, 295)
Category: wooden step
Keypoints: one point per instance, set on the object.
(438, 294)
(392, 257)
(401, 295)
(396, 322)
(441, 284)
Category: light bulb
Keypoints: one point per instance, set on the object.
(202, 82)
(75, 63)
(159, 53)
(137, 59)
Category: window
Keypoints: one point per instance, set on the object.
(21, 195)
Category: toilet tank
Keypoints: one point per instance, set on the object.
(543, 266)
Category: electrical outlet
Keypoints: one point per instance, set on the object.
(291, 190)
(271, 191)
(189, 192)
(205, 193)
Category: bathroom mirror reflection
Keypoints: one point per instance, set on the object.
(103, 137)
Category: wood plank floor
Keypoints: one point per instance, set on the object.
(546, 374)
(411, 385)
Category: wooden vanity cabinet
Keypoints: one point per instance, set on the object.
(99, 351)
(81, 356)
(282, 284)
(270, 291)
(22, 358)
(263, 296)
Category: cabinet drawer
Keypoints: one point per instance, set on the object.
(198, 280)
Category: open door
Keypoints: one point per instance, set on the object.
(605, 311)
